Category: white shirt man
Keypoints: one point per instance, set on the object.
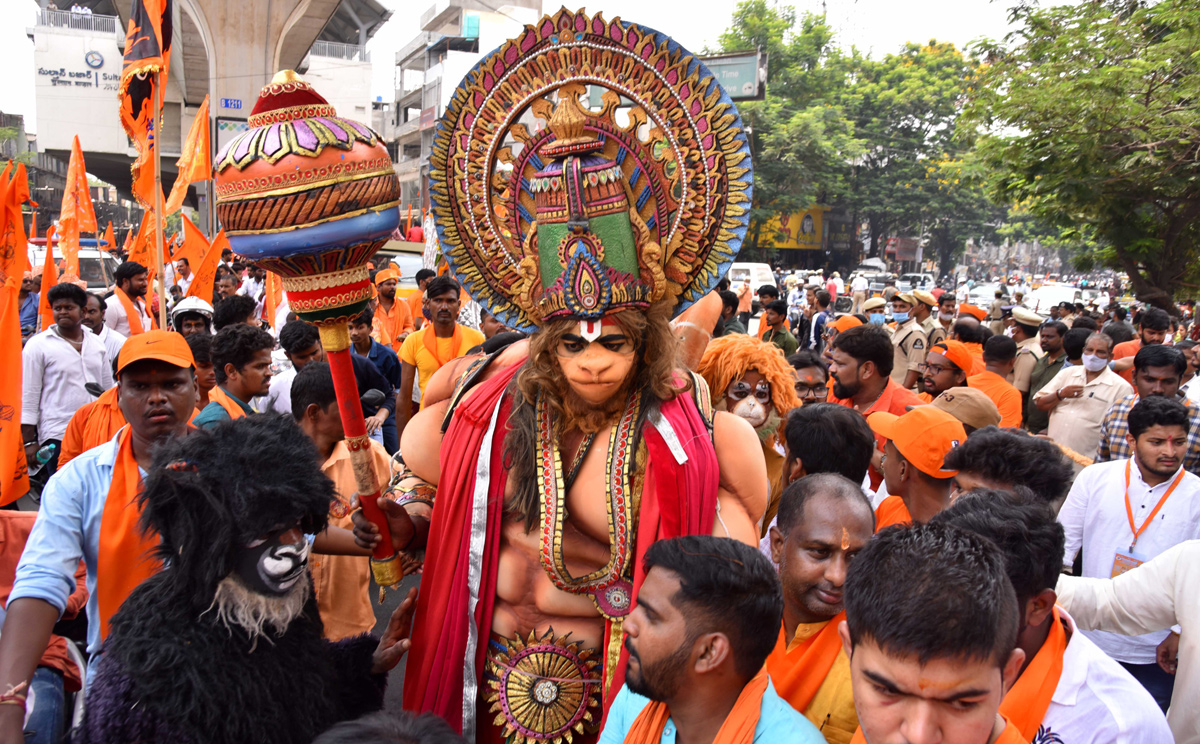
(54, 374)
(859, 284)
(1095, 520)
(116, 319)
(1158, 594)
(1075, 420)
(111, 340)
(255, 290)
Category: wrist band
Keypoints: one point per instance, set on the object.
(15, 695)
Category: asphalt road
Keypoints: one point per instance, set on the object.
(384, 611)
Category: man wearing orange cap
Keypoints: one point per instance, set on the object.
(395, 317)
(999, 356)
(946, 366)
(908, 341)
(89, 511)
(978, 313)
(917, 443)
(842, 323)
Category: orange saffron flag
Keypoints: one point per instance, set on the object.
(146, 61)
(206, 271)
(110, 243)
(195, 164)
(274, 296)
(77, 213)
(14, 260)
(49, 279)
(142, 250)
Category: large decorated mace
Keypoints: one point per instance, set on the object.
(312, 196)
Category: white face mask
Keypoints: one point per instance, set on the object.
(1093, 363)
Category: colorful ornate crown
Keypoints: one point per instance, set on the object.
(310, 196)
(557, 209)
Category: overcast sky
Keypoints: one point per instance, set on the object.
(875, 26)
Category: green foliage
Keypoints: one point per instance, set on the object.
(1093, 119)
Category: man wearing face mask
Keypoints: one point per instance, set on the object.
(751, 380)
(874, 309)
(1079, 396)
(908, 342)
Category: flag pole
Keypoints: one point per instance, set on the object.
(158, 205)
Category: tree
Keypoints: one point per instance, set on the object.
(1093, 119)
(800, 139)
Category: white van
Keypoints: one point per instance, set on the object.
(96, 267)
(758, 273)
(1047, 296)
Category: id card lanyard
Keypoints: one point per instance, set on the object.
(1137, 531)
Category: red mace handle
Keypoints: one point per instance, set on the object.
(385, 564)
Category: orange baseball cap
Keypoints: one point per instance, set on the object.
(923, 435)
(845, 323)
(165, 346)
(976, 312)
(383, 275)
(956, 352)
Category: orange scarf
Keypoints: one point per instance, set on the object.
(431, 345)
(891, 511)
(133, 313)
(219, 396)
(738, 728)
(104, 421)
(125, 557)
(800, 671)
(1026, 703)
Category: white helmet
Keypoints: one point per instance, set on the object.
(192, 305)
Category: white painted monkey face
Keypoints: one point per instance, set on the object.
(273, 563)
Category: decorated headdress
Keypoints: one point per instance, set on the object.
(549, 205)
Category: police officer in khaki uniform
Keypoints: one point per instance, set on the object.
(908, 342)
(925, 315)
(1025, 332)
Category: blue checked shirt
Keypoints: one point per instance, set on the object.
(1114, 427)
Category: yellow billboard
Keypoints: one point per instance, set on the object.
(796, 231)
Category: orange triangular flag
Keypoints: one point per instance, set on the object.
(195, 164)
(274, 296)
(49, 279)
(14, 246)
(14, 478)
(110, 243)
(143, 245)
(193, 246)
(206, 270)
(77, 214)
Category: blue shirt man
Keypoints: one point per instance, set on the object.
(388, 364)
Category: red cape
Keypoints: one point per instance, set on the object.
(677, 499)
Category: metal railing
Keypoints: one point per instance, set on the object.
(338, 50)
(103, 24)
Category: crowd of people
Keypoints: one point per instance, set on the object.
(640, 504)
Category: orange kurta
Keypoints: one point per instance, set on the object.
(342, 582)
(1006, 397)
(812, 673)
(1123, 350)
(397, 322)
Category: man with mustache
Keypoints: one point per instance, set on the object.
(824, 521)
(126, 313)
(431, 348)
(696, 651)
(1124, 512)
(85, 514)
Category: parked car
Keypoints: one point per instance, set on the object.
(1048, 295)
(917, 281)
(758, 273)
(96, 267)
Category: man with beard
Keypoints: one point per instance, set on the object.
(395, 317)
(1153, 328)
(824, 521)
(696, 651)
(230, 614)
(241, 358)
(1069, 690)
(1122, 513)
(750, 379)
(534, 458)
(85, 514)
(931, 632)
(1049, 364)
(227, 286)
(946, 366)
(431, 348)
(861, 365)
(127, 314)
(1157, 370)
(93, 320)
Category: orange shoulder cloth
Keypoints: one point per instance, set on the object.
(738, 727)
(219, 396)
(1026, 703)
(800, 671)
(125, 558)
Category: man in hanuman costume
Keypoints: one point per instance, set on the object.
(538, 476)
